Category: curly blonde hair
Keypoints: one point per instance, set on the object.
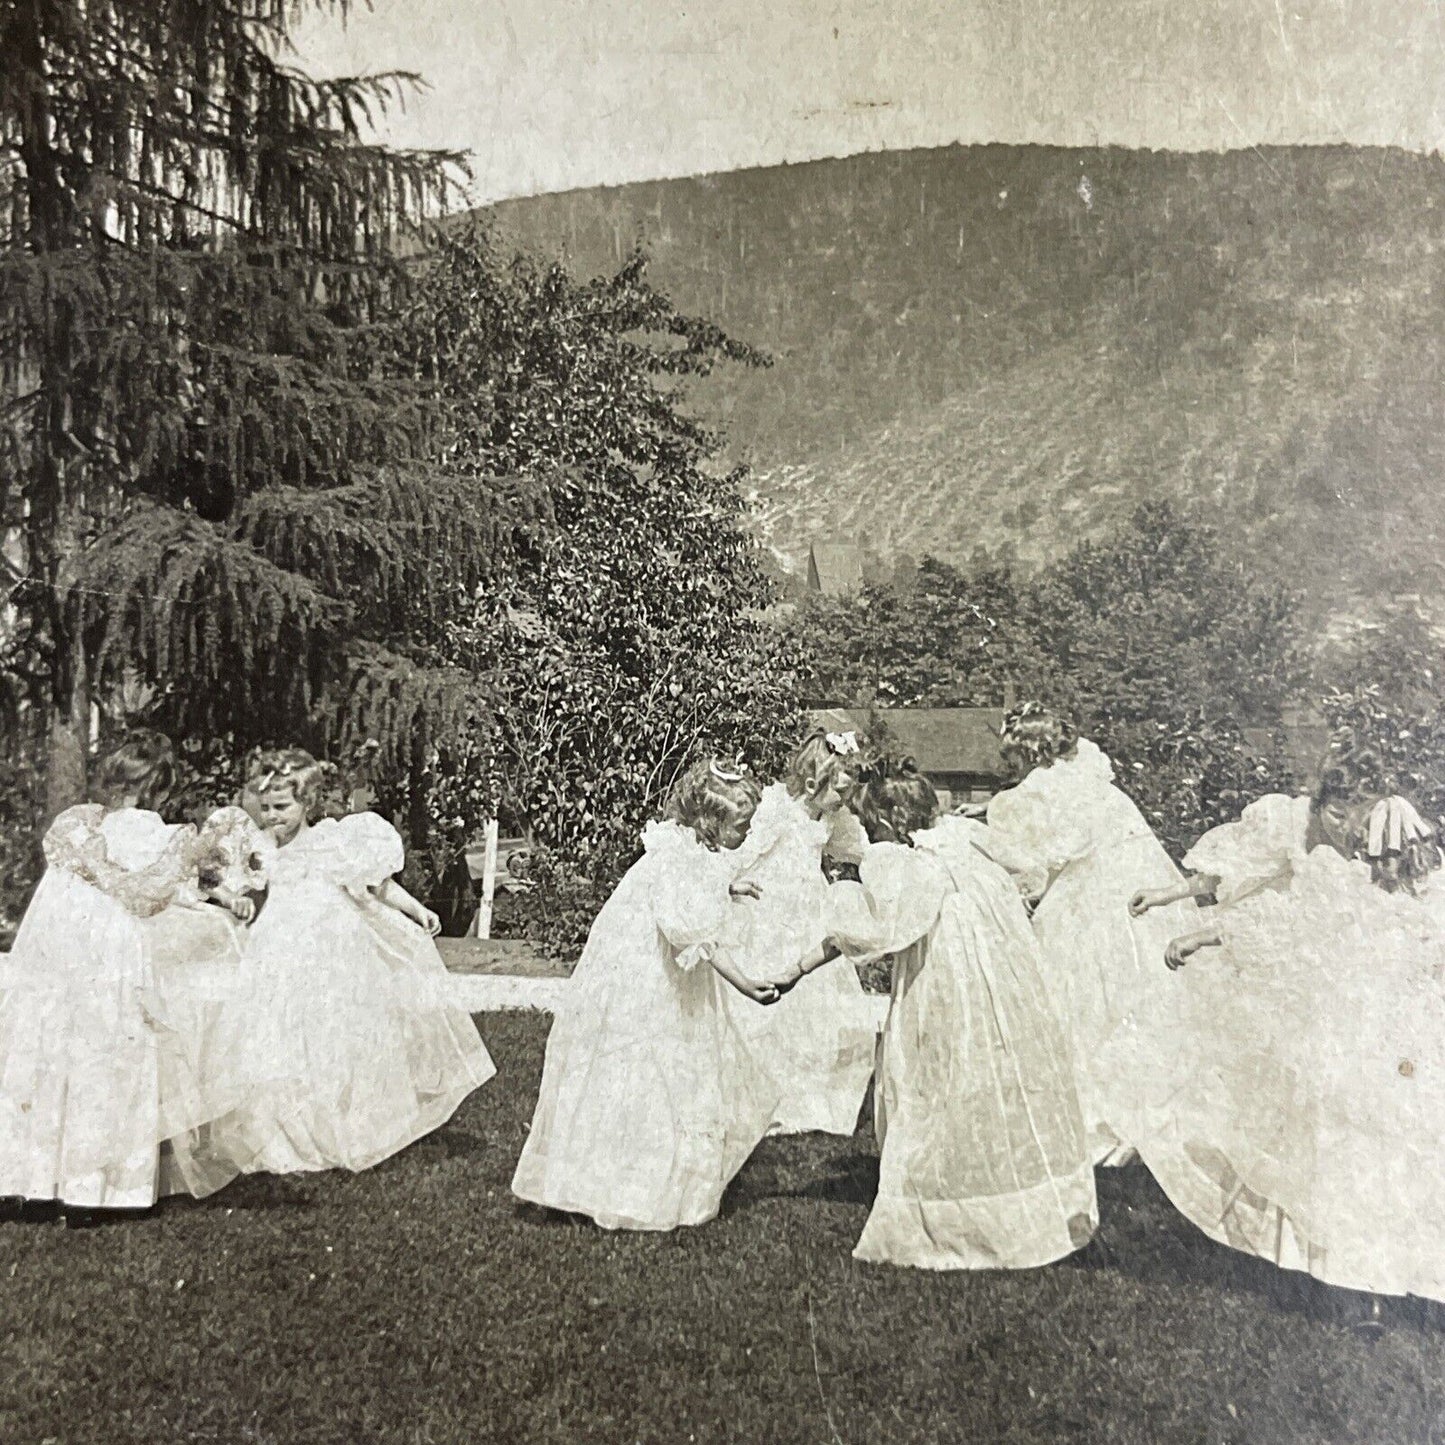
(317, 785)
(712, 794)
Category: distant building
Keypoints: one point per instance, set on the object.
(834, 568)
(955, 748)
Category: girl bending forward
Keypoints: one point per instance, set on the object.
(651, 1099)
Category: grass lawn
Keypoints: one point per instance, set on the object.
(418, 1303)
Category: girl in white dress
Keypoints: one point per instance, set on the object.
(819, 1041)
(1303, 1126)
(354, 1048)
(984, 1160)
(108, 1002)
(1260, 849)
(1082, 847)
(650, 1100)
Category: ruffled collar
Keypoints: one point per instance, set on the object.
(778, 814)
(667, 836)
(1089, 764)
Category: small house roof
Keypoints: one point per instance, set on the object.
(938, 739)
(835, 568)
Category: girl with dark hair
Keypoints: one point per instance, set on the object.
(1271, 835)
(106, 1007)
(651, 1100)
(985, 1164)
(1080, 846)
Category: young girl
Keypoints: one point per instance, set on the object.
(353, 1047)
(984, 1159)
(819, 1041)
(105, 1005)
(650, 1102)
(1303, 1124)
(1260, 849)
(1084, 849)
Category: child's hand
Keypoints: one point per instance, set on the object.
(240, 905)
(1181, 950)
(788, 984)
(426, 919)
(745, 889)
(763, 993)
(1142, 902)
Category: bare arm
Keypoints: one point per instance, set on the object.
(240, 905)
(826, 952)
(1181, 950)
(1198, 885)
(727, 969)
(395, 896)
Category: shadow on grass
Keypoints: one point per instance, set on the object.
(538, 1216)
(1142, 1238)
(253, 1194)
(448, 1142)
(852, 1180)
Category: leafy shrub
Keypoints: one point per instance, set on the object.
(22, 793)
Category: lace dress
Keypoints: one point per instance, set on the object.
(1302, 1121)
(353, 1048)
(984, 1161)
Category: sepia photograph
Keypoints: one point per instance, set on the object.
(723, 725)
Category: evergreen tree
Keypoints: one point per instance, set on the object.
(218, 458)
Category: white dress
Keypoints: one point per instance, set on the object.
(985, 1164)
(819, 1039)
(353, 1048)
(1305, 1124)
(1068, 827)
(108, 1013)
(1261, 849)
(650, 1102)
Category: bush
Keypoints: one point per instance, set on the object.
(628, 641)
(1388, 699)
(22, 794)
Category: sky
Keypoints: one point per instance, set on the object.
(552, 95)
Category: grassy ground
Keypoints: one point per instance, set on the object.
(419, 1304)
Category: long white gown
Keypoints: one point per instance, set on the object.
(650, 1100)
(1301, 1122)
(1068, 827)
(819, 1040)
(352, 1045)
(109, 1014)
(985, 1164)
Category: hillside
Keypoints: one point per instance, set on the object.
(1012, 345)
